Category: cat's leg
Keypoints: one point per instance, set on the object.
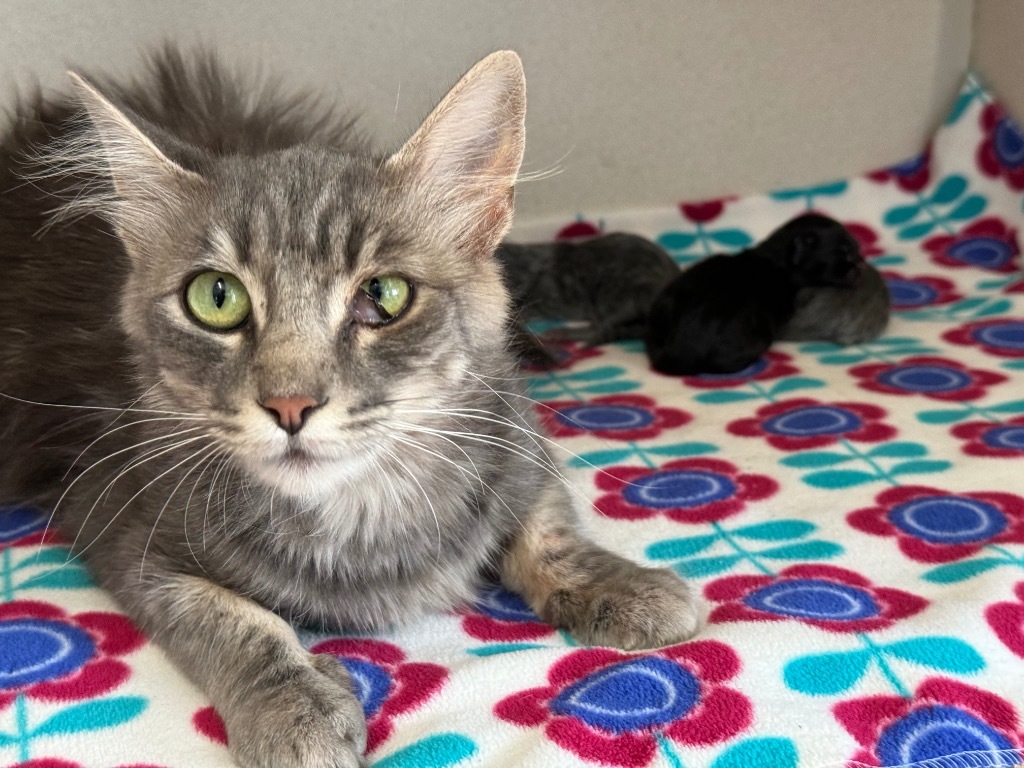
(283, 706)
(598, 596)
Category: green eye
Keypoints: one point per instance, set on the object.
(218, 300)
(390, 295)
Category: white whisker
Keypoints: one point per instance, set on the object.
(426, 498)
(405, 439)
(159, 514)
(95, 464)
(23, 401)
(137, 464)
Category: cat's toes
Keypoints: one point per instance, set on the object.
(307, 717)
(630, 608)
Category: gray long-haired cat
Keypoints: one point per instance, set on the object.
(270, 366)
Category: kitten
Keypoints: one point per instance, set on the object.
(723, 313)
(609, 282)
(267, 360)
(843, 315)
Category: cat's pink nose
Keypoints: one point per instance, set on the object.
(291, 412)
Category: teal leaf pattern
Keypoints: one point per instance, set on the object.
(679, 552)
(763, 752)
(947, 654)
(731, 238)
(815, 459)
(678, 548)
(951, 573)
(92, 716)
(775, 530)
(839, 478)
(724, 396)
(701, 567)
(826, 673)
(436, 751)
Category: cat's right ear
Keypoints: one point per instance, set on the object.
(149, 187)
(466, 155)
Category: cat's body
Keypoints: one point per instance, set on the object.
(724, 312)
(608, 282)
(339, 455)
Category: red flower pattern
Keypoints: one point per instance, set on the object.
(503, 616)
(1007, 621)
(834, 599)
(935, 526)
(803, 423)
(1017, 286)
(686, 490)
(586, 709)
(615, 417)
(385, 683)
(933, 377)
(985, 438)
(894, 730)
(702, 213)
(579, 229)
(918, 291)
(910, 176)
(87, 668)
(999, 153)
(26, 527)
(208, 722)
(988, 243)
(1003, 337)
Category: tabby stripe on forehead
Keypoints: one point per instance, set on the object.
(354, 242)
(243, 239)
(324, 225)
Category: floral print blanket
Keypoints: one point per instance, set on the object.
(852, 517)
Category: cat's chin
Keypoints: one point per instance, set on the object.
(302, 474)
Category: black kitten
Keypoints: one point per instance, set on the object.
(608, 282)
(721, 314)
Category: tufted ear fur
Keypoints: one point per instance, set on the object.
(149, 189)
(467, 153)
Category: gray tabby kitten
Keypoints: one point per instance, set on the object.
(842, 315)
(267, 362)
(609, 282)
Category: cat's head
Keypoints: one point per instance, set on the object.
(817, 251)
(292, 298)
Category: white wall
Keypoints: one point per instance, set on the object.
(998, 51)
(641, 103)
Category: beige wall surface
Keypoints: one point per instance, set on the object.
(639, 103)
(998, 50)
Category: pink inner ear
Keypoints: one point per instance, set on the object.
(493, 223)
(468, 152)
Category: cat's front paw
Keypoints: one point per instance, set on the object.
(303, 717)
(627, 606)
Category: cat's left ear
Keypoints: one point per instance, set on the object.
(150, 187)
(467, 153)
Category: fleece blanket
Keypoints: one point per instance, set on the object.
(853, 519)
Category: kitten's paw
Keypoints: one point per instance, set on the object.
(303, 717)
(627, 607)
